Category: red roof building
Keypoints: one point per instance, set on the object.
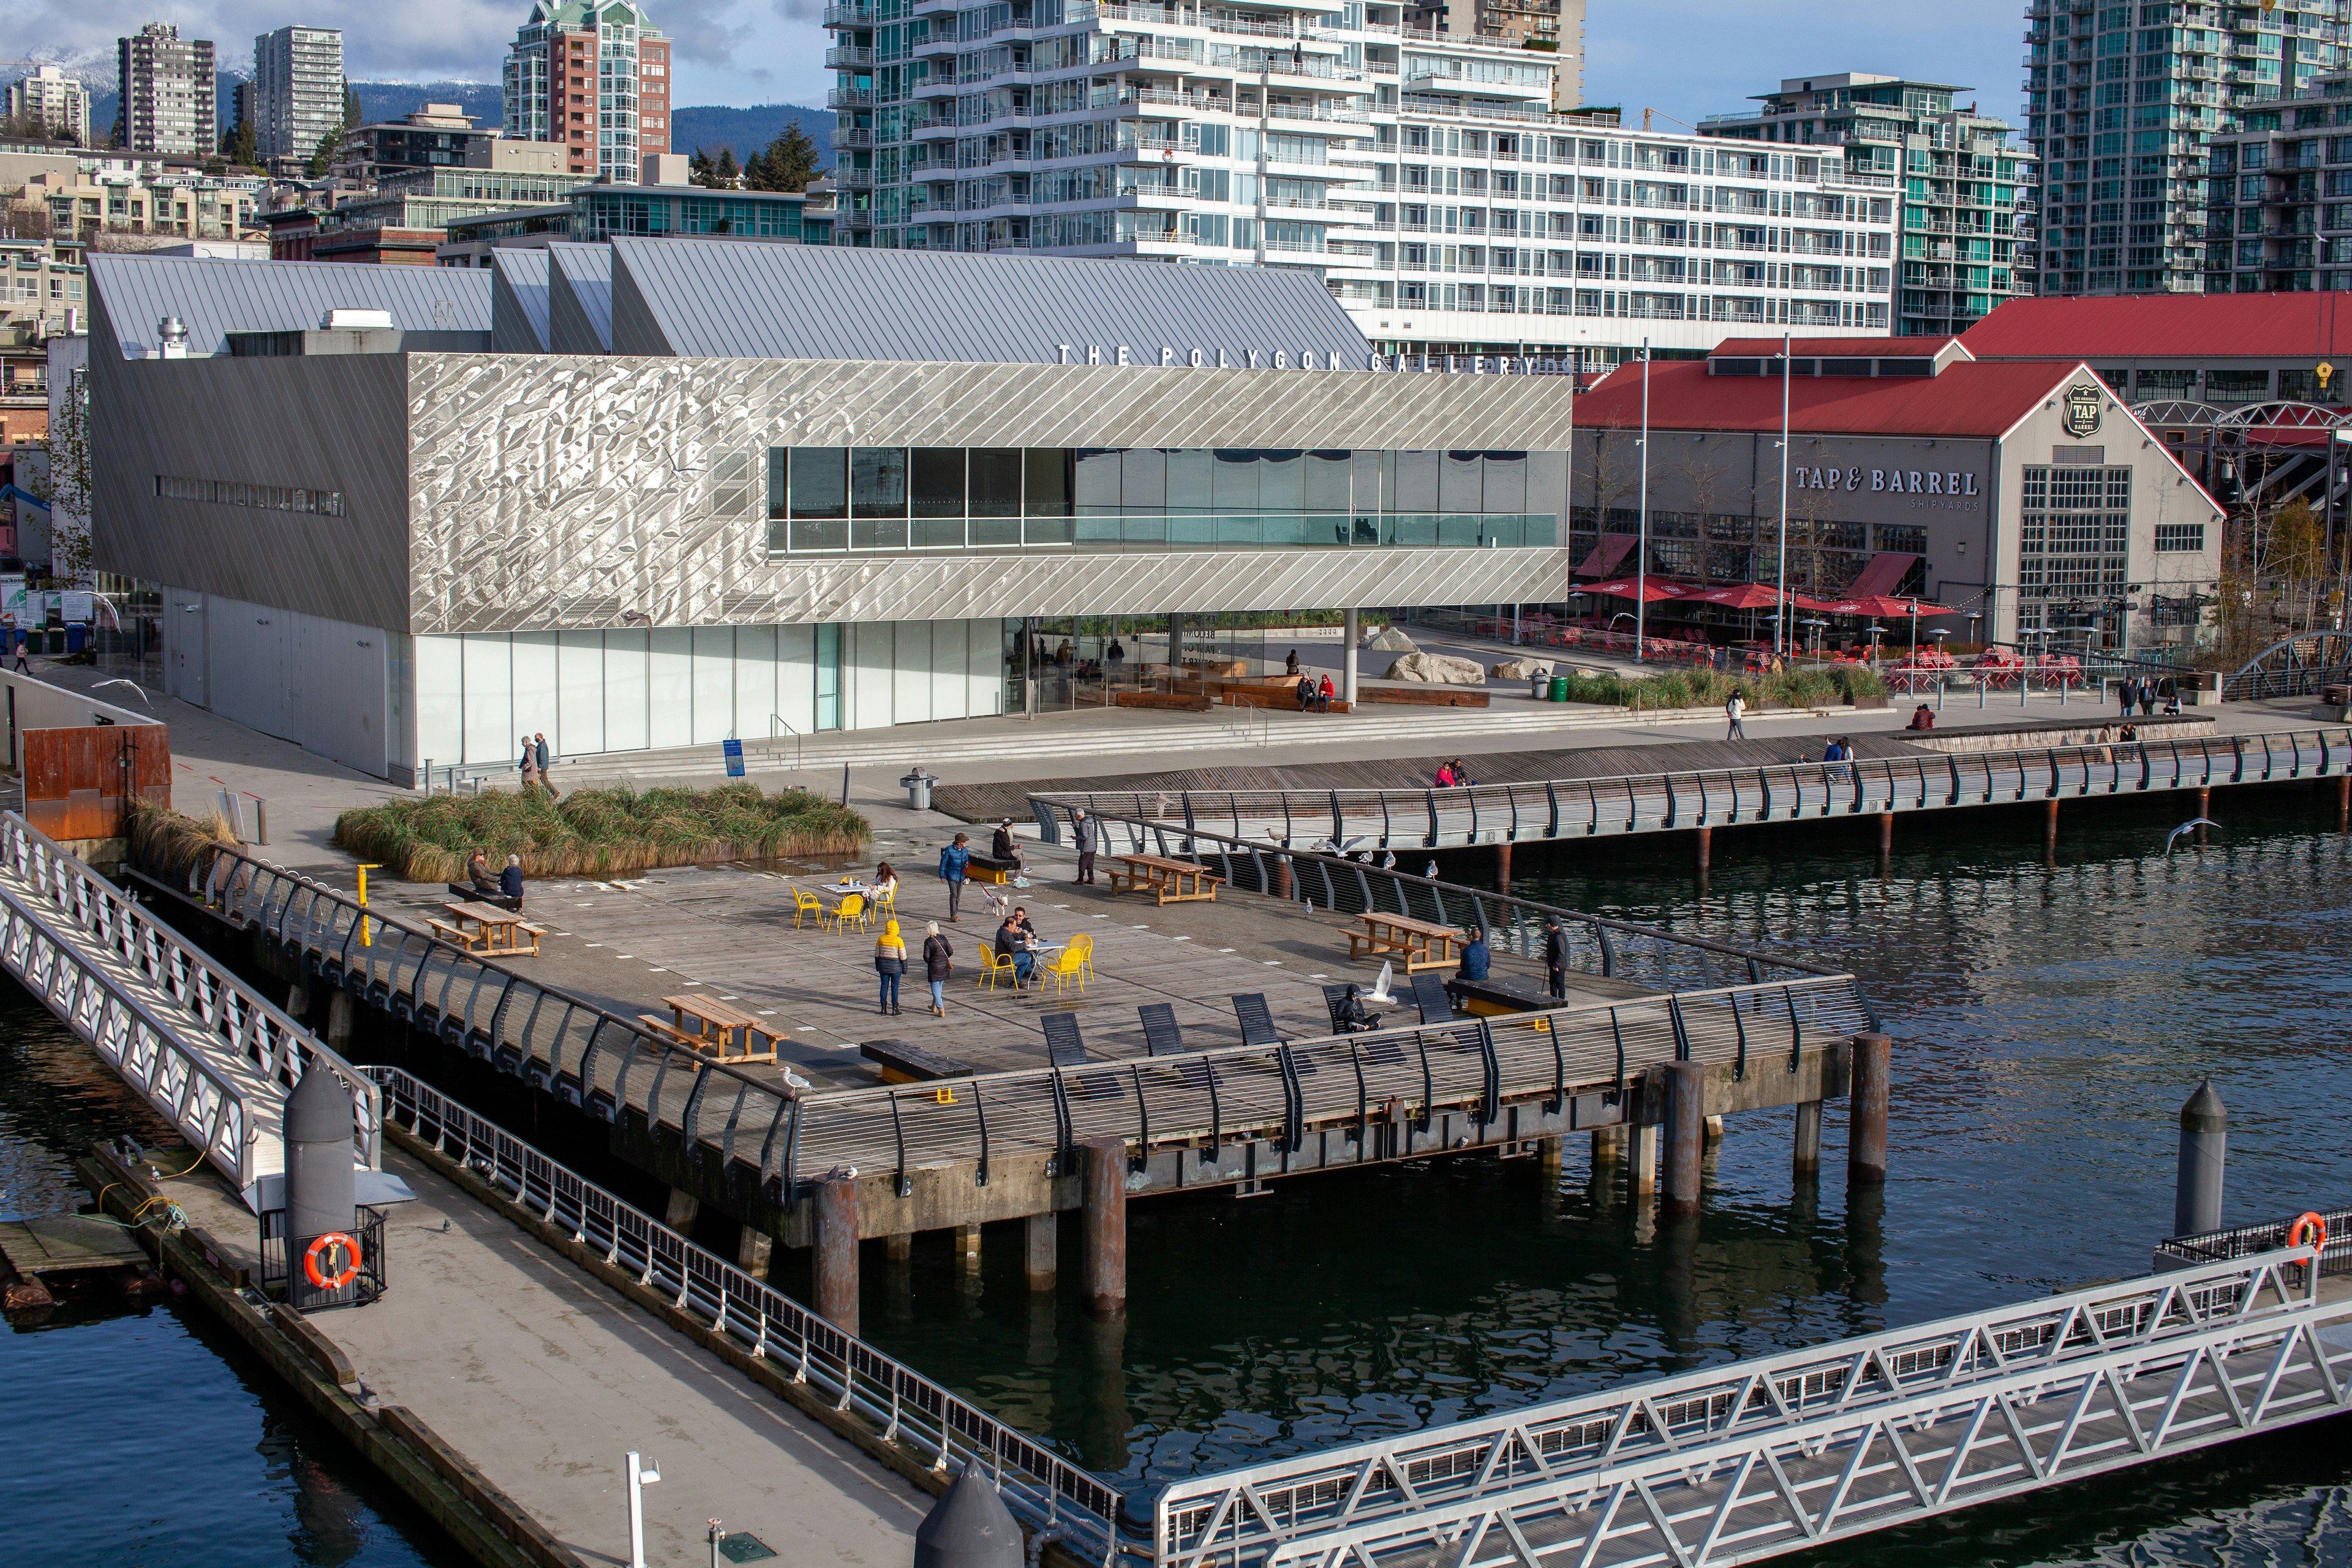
(2226, 349)
(2020, 492)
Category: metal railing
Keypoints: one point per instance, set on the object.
(1788, 1452)
(2251, 1240)
(197, 1042)
(1651, 802)
(905, 1408)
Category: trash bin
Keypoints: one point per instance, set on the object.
(1559, 689)
(918, 786)
(76, 635)
(1538, 685)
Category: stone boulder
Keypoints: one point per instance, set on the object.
(1438, 670)
(1519, 670)
(1392, 639)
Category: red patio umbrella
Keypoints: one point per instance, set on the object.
(1743, 597)
(1645, 590)
(1898, 606)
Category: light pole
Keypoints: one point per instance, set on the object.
(1641, 540)
(1786, 346)
(640, 1477)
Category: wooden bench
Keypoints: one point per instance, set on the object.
(717, 1028)
(455, 935)
(658, 1026)
(1172, 701)
(1424, 696)
(1171, 881)
(1421, 945)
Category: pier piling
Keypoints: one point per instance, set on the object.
(1807, 1160)
(1645, 1162)
(1704, 840)
(754, 1250)
(1041, 1236)
(1714, 1130)
(1548, 1160)
(899, 1248)
(1103, 1266)
(836, 1254)
(1686, 1135)
(341, 1013)
(1885, 834)
(1866, 1161)
(967, 1245)
(2343, 802)
(2204, 1151)
(682, 1210)
(2050, 826)
(1503, 865)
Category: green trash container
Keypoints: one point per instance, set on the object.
(1559, 689)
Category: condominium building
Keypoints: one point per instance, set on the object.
(594, 75)
(2122, 100)
(296, 94)
(60, 102)
(437, 136)
(1422, 176)
(167, 103)
(145, 195)
(1965, 217)
(2279, 195)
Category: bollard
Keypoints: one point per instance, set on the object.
(1865, 1158)
(968, 1527)
(836, 1252)
(321, 1189)
(1685, 1135)
(1103, 1264)
(2204, 1151)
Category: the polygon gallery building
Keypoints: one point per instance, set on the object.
(714, 489)
(2022, 496)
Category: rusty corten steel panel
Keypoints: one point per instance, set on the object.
(74, 778)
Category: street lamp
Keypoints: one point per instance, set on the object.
(641, 1476)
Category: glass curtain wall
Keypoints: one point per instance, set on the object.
(1063, 663)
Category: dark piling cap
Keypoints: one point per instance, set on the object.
(968, 1527)
(320, 1108)
(2204, 1112)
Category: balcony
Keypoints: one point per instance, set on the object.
(852, 137)
(852, 57)
(849, 98)
(848, 16)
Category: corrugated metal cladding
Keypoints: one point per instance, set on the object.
(579, 299)
(516, 464)
(718, 299)
(519, 302)
(213, 299)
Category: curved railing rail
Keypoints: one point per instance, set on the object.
(904, 1407)
(1710, 797)
(2297, 666)
(203, 1046)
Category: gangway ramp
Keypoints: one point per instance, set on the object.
(1787, 1453)
(204, 1047)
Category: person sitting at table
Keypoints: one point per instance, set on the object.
(1012, 944)
(1025, 926)
(1475, 957)
(885, 883)
(510, 883)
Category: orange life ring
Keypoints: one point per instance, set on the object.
(351, 1270)
(2309, 1226)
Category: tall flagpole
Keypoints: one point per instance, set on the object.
(1784, 495)
(1641, 544)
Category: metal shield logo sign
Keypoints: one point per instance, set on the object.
(2083, 408)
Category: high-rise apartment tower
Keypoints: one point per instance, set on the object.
(167, 92)
(595, 78)
(298, 89)
(60, 102)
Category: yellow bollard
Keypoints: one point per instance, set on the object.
(365, 934)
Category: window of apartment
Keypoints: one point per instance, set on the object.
(2181, 536)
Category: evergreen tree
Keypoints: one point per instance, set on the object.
(244, 148)
(792, 160)
(697, 167)
(724, 176)
(329, 145)
(351, 107)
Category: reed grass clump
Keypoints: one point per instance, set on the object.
(597, 832)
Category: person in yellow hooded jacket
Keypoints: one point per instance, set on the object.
(889, 962)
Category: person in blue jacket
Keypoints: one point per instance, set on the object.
(954, 863)
(1475, 957)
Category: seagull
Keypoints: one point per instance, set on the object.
(1379, 992)
(1430, 872)
(2192, 822)
(132, 684)
(1388, 859)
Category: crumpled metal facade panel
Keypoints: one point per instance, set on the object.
(580, 491)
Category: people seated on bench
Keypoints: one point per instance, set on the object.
(510, 883)
(1352, 1017)
(1013, 943)
(1306, 692)
(1475, 957)
(1002, 847)
(1324, 692)
(479, 883)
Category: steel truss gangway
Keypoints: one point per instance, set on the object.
(1791, 1452)
(200, 1045)
(1356, 819)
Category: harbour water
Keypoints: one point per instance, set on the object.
(2049, 1022)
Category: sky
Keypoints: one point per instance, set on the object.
(1686, 58)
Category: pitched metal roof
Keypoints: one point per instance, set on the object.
(1858, 348)
(721, 299)
(579, 299)
(1969, 398)
(2166, 326)
(519, 300)
(213, 299)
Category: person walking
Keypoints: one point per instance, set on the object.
(1087, 834)
(2148, 698)
(1555, 957)
(510, 883)
(539, 750)
(1735, 709)
(2127, 693)
(529, 765)
(23, 642)
(889, 962)
(939, 966)
(955, 862)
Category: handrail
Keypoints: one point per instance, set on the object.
(1766, 792)
(240, 1020)
(800, 742)
(904, 1406)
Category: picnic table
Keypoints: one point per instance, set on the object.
(487, 929)
(718, 1029)
(1171, 881)
(1423, 945)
